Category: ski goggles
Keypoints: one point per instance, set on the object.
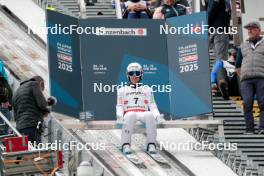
(134, 73)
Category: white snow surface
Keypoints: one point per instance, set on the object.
(30, 13)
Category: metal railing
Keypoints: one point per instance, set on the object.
(7, 122)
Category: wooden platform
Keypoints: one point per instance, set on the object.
(30, 162)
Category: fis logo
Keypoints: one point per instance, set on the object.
(190, 58)
(65, 58)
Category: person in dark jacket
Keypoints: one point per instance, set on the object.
(219, 16)
(219, 13)
(250, 67)
(30, 106)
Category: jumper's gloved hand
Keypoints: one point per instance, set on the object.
(160, 119)
(52, 101)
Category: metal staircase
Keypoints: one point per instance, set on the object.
(248, 159)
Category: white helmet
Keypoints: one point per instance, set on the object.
(134, 69)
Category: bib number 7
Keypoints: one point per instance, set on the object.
(136, 100)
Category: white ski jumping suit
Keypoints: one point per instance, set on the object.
(137, 103)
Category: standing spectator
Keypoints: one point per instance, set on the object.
(30, 106)
(5, 97)
(170, 8)
(219, 15)
(251, 61)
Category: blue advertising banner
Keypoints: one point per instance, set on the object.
(64, 64)
(105, 57)
(95, 57)
(189, 65)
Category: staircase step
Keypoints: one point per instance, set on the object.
(102, 16)
(223, 102)
(255, 158)
(102, 4)
(71, 6)
(237, 123)
(229, 114)
(233, 106)
(248, 150)
(252, 145)
(104, 13)
(235, 111)
(237, 127)
(68, 3)
(233, 132)
(104, 10)
(99, 7)
(229, 118)
(68, 0)
(104, 1)
(239, 141)
(254, 136)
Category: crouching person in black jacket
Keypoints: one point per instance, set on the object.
(30, 107)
